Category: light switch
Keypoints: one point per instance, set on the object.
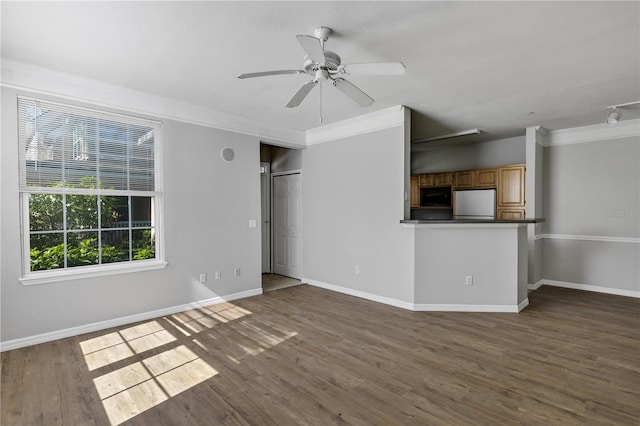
(252, 224)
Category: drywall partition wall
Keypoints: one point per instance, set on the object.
(591, 185)
(492, 256)
(207, 207)
(446, 156)
(353, 201)
(535, 139)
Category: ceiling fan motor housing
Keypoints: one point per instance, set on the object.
(332, 63)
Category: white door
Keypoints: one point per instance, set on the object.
(287, 225)
(265, 199)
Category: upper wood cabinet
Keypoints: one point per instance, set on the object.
(435, 179)
(443, 179)
(480, 178)
(463, 180)
(486, 178)
(511, 186)
(426, 180)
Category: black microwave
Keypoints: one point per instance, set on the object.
(435, 197)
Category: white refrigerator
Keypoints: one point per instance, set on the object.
(474, 204)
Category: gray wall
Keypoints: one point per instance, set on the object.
(352, 204)
(496, 258)
(592, 189)
(535, 139)
(207, 206)
(447, 158)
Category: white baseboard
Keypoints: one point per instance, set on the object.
(436, 307)
(417, 307)
(357, 293)
(536, 285)
(523, 304)
(116, 322)
(587, 287)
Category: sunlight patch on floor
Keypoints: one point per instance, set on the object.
(136, 388)
(107, 356)
(198, 320)
(109, 348)
(133, 401)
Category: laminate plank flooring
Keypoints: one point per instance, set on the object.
(308, 356)
(271, 282)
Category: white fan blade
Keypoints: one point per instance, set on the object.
(312, 48)
(352, 91)
(266, 73)
(376, 68)
(302, 92)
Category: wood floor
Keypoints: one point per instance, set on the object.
(308, 356)
(271, 282)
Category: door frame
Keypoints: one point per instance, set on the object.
(271, 231)
(267, 200)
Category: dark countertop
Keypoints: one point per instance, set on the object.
(450, 221)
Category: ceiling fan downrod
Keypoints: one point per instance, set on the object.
(322, 34)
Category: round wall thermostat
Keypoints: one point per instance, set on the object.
(227, 154)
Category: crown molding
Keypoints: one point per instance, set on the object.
(538, 133)
(27, 77)
(594, 133)
(367, 123)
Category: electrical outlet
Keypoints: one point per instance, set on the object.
(357, 269)
(218, 275)
(468, 280)
(203, 278)
(236, 272)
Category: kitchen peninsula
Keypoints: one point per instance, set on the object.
(473, 265)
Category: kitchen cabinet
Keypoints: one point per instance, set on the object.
(463, 180)
(473, 179)
(426, 180)
(485, 178)
(506, 214)
(435, 180)
(443, 179)
(415, 192)
(511, 192)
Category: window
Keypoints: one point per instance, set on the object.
(89, 189)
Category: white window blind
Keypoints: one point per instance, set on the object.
(63, 145)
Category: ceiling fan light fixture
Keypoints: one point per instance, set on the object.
(614, 116)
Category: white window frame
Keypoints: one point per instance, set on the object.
(81, 272)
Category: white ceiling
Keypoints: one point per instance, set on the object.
(497, 66)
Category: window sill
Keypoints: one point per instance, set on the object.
(44, 277)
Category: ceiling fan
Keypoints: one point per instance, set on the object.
(325, 65)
